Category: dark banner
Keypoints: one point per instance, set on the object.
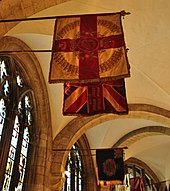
(110, 164)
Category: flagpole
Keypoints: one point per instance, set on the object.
(90, 149)
(122, 13)
(24, 51)
(28, 19)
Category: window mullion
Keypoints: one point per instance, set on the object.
(9, 121)
(77, 172)
(5, 151)
(14, 94)
(16, 174)
(73, 172)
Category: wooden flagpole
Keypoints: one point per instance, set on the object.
(123, 13)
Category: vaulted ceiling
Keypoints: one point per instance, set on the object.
(146, 129)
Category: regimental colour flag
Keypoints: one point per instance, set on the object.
(110, 164)
(136, 184)
(88, 48)
(95, 98)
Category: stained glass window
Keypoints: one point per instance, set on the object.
(74, 170)
(15, 125)
(2, 115)
(4, 93)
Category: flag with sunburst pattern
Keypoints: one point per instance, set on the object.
(110, 164)
(88, 48)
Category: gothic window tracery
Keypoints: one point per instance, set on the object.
(74, 170)
(16, 125)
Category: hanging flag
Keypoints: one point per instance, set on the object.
(163, 186)
(110, 164)
(88, 48)
(95, 98)
(136, 184)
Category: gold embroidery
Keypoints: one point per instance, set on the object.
(112, 62)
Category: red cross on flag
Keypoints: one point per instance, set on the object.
(88, 48)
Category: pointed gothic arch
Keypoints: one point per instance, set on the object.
(78, 126)
(38, 178)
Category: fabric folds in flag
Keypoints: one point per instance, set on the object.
(136, 184)
(110, 164)
(88, 48)
(95, 98)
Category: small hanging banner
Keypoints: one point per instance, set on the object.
(110, 164)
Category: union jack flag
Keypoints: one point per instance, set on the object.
(95, 98)
(136, 184)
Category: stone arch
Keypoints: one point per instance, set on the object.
(60, 153)
(133, 136)
(78, 126)
(22, 9)
(138, 134)
(142, 165)
(40, 165)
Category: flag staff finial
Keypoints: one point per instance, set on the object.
(123, 13)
